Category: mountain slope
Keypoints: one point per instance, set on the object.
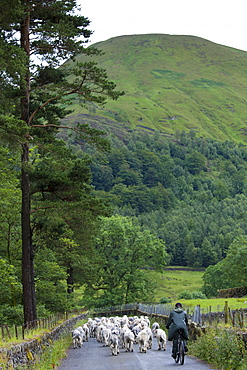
(174, 83)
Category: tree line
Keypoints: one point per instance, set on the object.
(189, 191)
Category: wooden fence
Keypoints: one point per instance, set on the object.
(22, 331)
(201, 316)
(223, 314)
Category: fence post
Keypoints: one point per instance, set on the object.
(232, 316)
(226, 312)
(218, 314)
(210, 315)
(242, 318)
(203, 318)
(198, 314)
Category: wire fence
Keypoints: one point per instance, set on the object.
(23, 331)
(220, 314)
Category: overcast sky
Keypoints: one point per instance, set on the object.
(221, 21)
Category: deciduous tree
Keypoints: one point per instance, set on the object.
(123, 251)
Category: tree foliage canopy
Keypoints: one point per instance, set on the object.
(123, 251)
(231, 272)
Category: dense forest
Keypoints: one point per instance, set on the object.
(189, 191)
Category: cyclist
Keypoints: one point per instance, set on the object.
(178, 319)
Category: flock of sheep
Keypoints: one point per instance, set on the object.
(116, 332)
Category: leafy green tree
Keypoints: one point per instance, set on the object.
(102, 177)
(10, 285)
(214, 279)
(191, 255)
(50, 286)
(230, 272)
(123, 250)
(195, 162)
(128, 176)
(235, 262)
(221, 190)
(51, 32)
(209, 256)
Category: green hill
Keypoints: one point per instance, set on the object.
(174, 83)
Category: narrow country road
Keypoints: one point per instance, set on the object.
(94, 356)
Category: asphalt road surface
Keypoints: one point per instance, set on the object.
(93, 355)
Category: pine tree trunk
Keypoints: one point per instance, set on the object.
(29, 299)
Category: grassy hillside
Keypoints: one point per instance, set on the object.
(174, 83)
(175, 280)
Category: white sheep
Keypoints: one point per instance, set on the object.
(142, 339)
(114, 344)
(136, 330)
(150, 337)
(86, 332)
(129, 340)
(122, 331)
(106, 336)
(161, 338)
(98, 332)
(77, 338)
(155, 326)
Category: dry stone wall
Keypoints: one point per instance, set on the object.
(26, 353)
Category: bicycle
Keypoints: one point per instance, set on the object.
(181, 348)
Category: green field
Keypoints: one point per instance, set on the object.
(172, 282)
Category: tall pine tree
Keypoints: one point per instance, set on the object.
(36, 38)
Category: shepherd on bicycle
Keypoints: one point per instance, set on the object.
(177, 320)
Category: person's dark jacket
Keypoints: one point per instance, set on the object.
(177, 319)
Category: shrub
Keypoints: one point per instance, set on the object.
(185, 295)
(221, 348)
(197, 294)
(164, 300)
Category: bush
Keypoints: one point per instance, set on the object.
(164, 300)
(221, 348)
(185, 295)
(197, 294)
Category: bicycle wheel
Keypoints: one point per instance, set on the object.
(178, 353)
(181, 352)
